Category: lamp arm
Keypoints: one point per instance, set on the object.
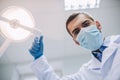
(4, 46)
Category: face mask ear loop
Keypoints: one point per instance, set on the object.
(76, 41)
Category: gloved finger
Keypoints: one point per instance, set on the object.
(36, 41)
(35, 48)
(41, 49)
(35, 54)
(32, 51)
(41, 40)
(41, 46)
(36, 45)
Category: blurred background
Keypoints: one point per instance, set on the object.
(61, 52)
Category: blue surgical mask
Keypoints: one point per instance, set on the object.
(90, 38)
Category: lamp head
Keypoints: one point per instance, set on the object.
(16, 15)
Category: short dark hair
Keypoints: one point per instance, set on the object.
(73, 16)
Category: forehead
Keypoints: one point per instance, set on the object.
(78, 20)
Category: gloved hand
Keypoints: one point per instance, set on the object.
(37, 47)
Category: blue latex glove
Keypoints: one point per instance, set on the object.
(37, 47)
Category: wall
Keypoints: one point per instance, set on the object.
(50, 17)
(8, 72)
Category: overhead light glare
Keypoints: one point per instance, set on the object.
(81, 4)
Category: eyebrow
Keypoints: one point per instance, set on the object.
(85, 22)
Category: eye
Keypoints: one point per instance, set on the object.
(76, 31)
(86, 23)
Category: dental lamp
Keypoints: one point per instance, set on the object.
(16, 24)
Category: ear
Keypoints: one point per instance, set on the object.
(98, 25)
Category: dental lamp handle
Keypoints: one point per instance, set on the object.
(35, 31)
(15, 23)
(4, 46)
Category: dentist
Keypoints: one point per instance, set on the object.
(86, 32)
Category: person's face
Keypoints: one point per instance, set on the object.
(81, 21)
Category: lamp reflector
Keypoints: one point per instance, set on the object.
(23, 16)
